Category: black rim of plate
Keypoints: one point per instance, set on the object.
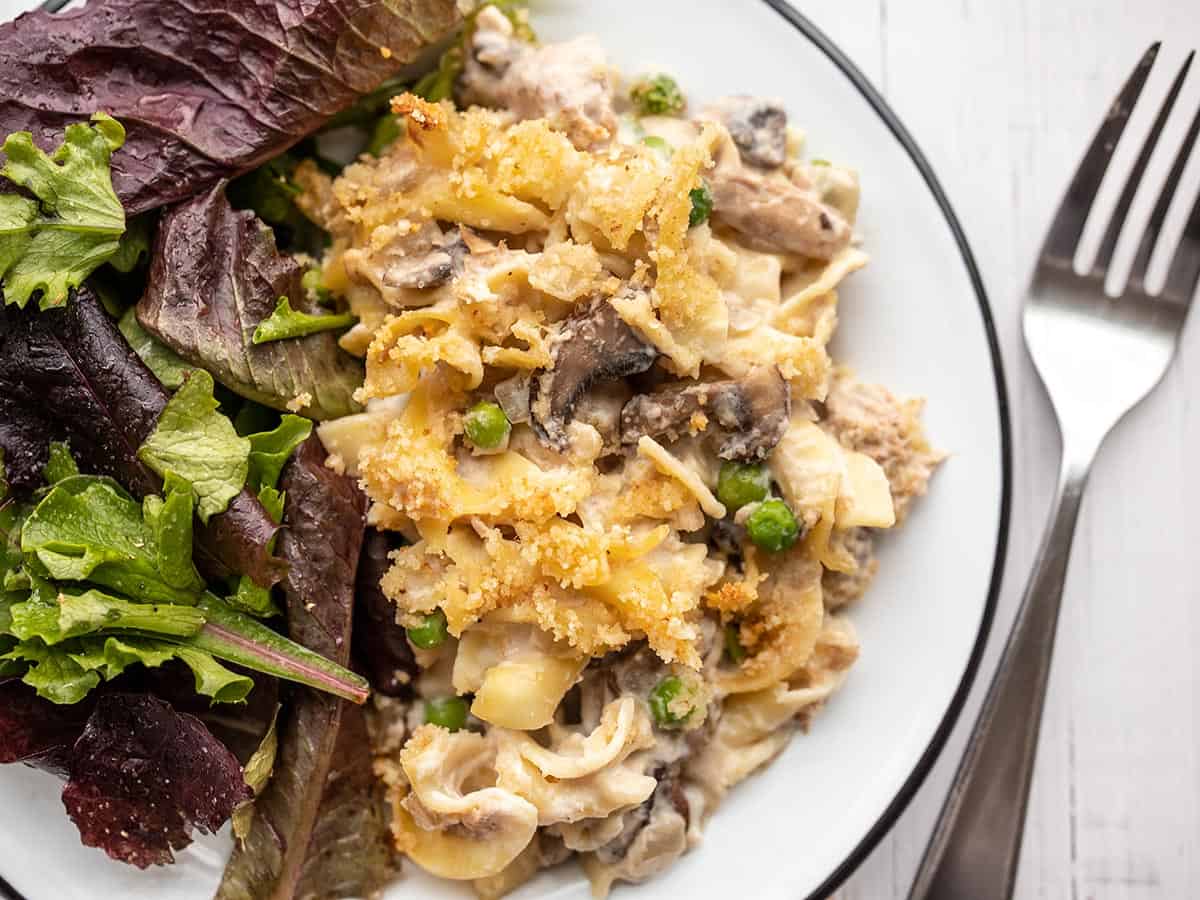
(914, 781)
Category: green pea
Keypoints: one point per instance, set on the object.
(658, 95)
(449, 712)
(733, 645)
(431, 632)
(663, 697)
(773, 527)
(486, 425)
(742, 483)
(702, 205)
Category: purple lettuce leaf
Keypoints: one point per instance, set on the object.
(206, 90)
(216, 275)
(326, 517)
(319, 829)
(239, 727)
(381, 645)
(140, 775)
(68, 374)
(143, 777)
(37, 732)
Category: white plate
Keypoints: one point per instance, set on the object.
(916, 319)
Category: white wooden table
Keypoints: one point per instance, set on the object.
(1003, 96)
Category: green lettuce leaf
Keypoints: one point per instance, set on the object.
(66, 673)
(284, 323)
(53, 672)
(61, 463)
(194, 441)
(88, 529)
(239, 639)
(167, 366)
(253, 599)
(52, 244)
(134, 247)
(74, 615)
(257, 772)
(270, 450)
(12, 518)
(170, 519)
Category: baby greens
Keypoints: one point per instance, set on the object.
(205, 95)
(52, 243)
(89, 528)
(199, 445)
(285, 322)
(63, 635)
(217, 274)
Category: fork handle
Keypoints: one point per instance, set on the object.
(974, 849)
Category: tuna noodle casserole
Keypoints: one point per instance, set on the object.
(633, 496)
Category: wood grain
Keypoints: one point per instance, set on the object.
(1003, 97)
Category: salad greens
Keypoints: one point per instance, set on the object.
(60, 464)
(142, 776)
(209, 256)
(74, 615)
(196, 443)
(89, 528)
(205, 95)
(269, 451)
(257, 772)
(68, 374)
(319, 828)
(270, 191)
(166, 365)
(285, 322)
(65, 674)
(133, 250)
(52, 243)
(86, 533)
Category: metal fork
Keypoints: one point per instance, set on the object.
(1097, 357)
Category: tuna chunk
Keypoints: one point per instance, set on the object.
(570, 84)
(772, 212)
(870, 419)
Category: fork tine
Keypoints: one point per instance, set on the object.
(1063, 238)
(1141, 262)
(1116, 224)
(1185, 268)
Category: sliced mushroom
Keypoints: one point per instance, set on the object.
(772, 212)
(668, 807)
(439, 263)
(746, 417)
(568, 84)
(513, 396)
(591, 346)
(409, 263)
(757, 126)
(653, 835)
